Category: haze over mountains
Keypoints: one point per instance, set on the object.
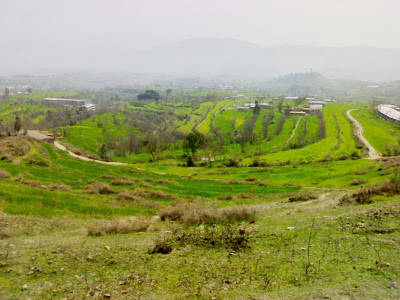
(211, 58)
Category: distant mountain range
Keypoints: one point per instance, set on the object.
(237, 59)
(206, 58)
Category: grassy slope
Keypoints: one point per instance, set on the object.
(314, 151)
(377, 130)
(66, 262)
(55, 258)
(204, 127)
(88, 136)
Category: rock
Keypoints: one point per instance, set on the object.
(290, 228)
(107, 296)
(24, 287)
(107, 247)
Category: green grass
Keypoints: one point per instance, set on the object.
(204, 126)
(379, 132)
(224, 119)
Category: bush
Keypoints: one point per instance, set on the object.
(119, 226)
(363, 196)
(232, 163)
(189, 161)
(207, 236)
(4, 174)
(162, 246)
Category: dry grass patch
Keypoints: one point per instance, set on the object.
(122, 182)
(165, 181)
(148, 204)
(99, 188)
(191, 214)
(357, 182)
(4, 174)
(60, 186)
(303, 196)
(128, 196)
(108, 176)
(121, 226)
(154, 194)
(363, 196)
(5, 233)
(251, 179)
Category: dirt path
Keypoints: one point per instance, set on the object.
(294, 130)
(111, 163)
(373, 154)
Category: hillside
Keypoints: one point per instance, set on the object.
(276, 205)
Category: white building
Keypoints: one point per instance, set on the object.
(391, 112)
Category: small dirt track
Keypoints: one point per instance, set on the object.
(111, 163)
(294, 130)
(373, 154)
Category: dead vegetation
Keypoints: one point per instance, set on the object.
(60, 186)
(127, 196)
(122, 182)
(153, 194)
(191, 214)
(109, 176)
(12, 147)
(121, 226)
(363, 196)
(33, 183)
(357, 182)
(209, 236)
(302, 196)
(99, 188)
(4, 174)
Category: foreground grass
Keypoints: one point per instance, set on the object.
(261, 246)
(301, 250)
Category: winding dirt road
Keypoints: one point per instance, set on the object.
(373, 154)
(111, 163)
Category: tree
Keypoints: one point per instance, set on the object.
(17, 124)
(168, 92)
(149, 95)
(193, 142)
(280, 104)
(153, 147)
(6, 92)
(103, 152)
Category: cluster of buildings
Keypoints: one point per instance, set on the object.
(313, 106)
(74, 103)
(389, 112)
(250, 105)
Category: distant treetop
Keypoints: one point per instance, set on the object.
(149, 95)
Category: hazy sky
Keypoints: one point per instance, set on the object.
(149, 22)
(39, 26)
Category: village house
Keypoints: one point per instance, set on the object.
(83, 104)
